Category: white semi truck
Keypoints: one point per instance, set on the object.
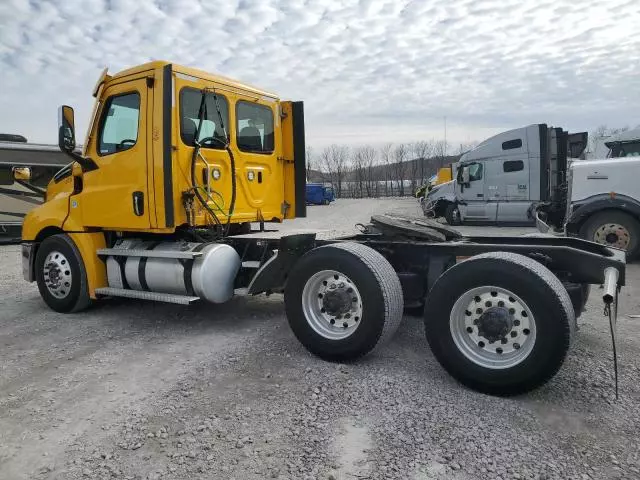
(506, 176)
(601, 198)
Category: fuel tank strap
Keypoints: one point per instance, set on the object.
(142, 265)
(188, 269)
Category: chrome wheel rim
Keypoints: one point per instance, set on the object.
(57, 274)
(613, 234)
(493, 327)
(332, 304)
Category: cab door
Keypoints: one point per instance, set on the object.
(115, 195)
(474, 205)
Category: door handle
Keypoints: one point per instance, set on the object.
(480, 195)
(138, 203)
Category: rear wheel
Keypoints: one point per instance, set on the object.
(452, 215)
(499, 323)
(61, 276)
(343, 301)
(613, 228)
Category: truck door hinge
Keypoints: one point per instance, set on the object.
(284, 160)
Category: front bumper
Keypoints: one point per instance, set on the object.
(28, 260)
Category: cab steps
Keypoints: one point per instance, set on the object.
(153, 296)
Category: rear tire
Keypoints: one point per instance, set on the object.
(613, 228)
(61, 276)
(521, 302)
(452, 215)
(319, 306)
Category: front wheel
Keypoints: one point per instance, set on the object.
(61, 276)
(500, 323)
(452, 215)
(343, 300)
(613, 228)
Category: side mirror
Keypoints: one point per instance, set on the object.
(22, 174)
(465, 175)
(66, 129)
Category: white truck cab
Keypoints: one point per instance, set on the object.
(601, 202)
(504, 177)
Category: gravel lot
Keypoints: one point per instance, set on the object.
(132, 390)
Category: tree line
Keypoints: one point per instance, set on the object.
(388, 170)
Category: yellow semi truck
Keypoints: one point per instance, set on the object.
(178, 164)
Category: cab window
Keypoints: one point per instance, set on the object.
(119, 128)
(254, 127)
(475, 172)
(212, 131)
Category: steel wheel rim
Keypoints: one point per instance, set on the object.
(613, 234)
(326, 286)
(57, 274)
(466, 322)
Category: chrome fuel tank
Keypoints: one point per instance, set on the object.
(210, 275)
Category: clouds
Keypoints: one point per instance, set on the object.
(368, 70)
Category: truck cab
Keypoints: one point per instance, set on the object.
(501, 179)
(172, 154)
(602, 197)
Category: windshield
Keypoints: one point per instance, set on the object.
(627, 149)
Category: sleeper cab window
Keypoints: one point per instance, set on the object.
(254, 124)
(119, 127)
(513, 166)
(214, 124)
(511, 144)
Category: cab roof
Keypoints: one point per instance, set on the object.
(195, 73)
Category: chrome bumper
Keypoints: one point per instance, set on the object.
(28, 259)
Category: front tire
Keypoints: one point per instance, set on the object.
(613, 228)
(452, 215)
(343, 301)
(61, 276)
(500, 323)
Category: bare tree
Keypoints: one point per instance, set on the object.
(335, 160)
(385, 155)
(400, 165)
(370, 157)
(440, 153)
(359, 171)
(308, 154)
(327, 167)
(422, 151)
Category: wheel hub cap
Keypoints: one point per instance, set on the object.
(57, 274)
(613, 234)
(332, 304)
(337, 301)
(492, 327)
(495, 323)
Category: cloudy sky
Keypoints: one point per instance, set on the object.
(369, 71)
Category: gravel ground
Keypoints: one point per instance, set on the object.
(134, 390)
